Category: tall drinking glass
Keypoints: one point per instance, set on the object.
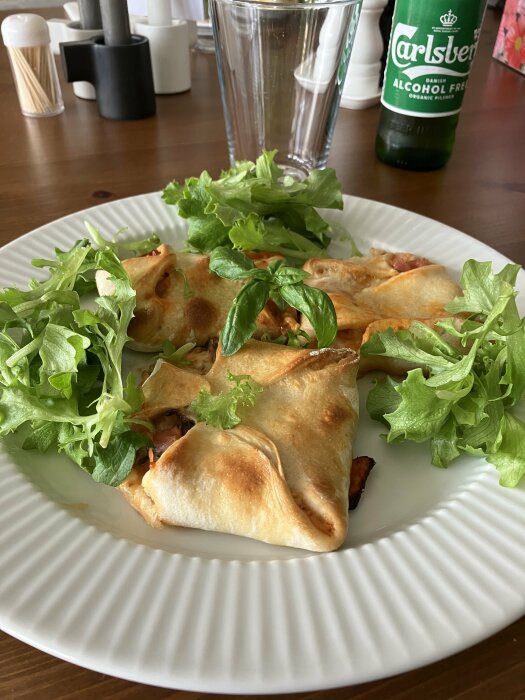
(282, 67)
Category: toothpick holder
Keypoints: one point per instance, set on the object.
(122, 75)
(26, 37)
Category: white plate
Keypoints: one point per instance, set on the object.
(434, 560)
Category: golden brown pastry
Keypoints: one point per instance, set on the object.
(380, 291)
(180, 300)
(281, 475)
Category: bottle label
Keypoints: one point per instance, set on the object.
(431, 49)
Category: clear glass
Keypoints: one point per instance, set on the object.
(36, 80)
(282, 68)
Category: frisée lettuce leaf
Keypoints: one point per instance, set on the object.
(220, 410)
(471, 375)
(60, 363)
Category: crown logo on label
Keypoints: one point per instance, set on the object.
(449, 19)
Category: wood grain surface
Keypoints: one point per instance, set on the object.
(52, 167)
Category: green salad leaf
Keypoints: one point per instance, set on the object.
(255, 206)
(470, 376)
(123, 248)
(220, 410)
(60, 362)
(177, 356)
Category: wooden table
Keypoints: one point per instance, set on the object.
(52, 167)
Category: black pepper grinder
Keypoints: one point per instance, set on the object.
(117, 63)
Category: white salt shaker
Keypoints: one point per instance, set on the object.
(26, 37)
(169, 48)
(361, 88)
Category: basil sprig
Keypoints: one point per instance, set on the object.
(281, 283)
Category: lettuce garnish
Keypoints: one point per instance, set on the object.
(60, 363)
(220, 410)
(471, 376)
(255, 206)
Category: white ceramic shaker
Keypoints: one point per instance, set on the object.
(362, 84)
(169, 47)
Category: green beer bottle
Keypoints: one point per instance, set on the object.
(432, 45)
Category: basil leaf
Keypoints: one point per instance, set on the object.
(318, 308)
(290, 275)
(240, 323)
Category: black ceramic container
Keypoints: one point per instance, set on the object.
(122, 75)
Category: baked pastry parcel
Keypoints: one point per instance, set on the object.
(281, 475)
(382, 290)
(181, 301)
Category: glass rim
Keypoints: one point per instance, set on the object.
(277, 5)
